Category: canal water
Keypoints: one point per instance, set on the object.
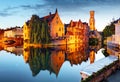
(57, 64)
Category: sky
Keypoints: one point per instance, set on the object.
(17, 12)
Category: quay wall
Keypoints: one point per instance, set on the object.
(104, 73)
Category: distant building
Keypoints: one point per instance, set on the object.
(114, 40)
(92, 21)
(16, 32)
(93, 31)
(117, 32)
(77, 32)
(55, 24)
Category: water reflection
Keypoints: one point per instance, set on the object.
(53, 59)
(92, 56)
(76, 53)
(15, 49)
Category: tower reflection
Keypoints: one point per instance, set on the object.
(52, 59)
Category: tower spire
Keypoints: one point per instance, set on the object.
(56, 10)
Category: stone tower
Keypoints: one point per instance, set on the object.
(92, 21)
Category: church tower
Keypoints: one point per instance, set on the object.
(92, 21)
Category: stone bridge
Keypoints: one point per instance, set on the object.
(16, 41)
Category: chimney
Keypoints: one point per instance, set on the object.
(71, 23)
(49, 13)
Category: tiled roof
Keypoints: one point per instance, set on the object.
(48, 18)
(69, 33)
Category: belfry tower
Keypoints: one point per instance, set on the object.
(92, 21)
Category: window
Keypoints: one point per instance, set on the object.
(57, 21)
(59, 29)
(56, 34)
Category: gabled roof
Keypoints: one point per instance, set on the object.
(69, 33)
(48, 18)
(75, 23)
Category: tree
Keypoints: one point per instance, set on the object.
(39, 30)
(109, 30)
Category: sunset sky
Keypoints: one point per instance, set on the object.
(16, 12)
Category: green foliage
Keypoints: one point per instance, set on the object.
(109, 30)
(105, 53)
(39, 60)
(39, 32)
(93, 41)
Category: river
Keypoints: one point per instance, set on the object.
(58, 64)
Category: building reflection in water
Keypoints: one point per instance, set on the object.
(92, 56)
(76, 53)
(52, 59)
(15, 49)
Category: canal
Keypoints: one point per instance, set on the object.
(57, 64)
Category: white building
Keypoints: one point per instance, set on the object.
(14, 32)
(117, 32)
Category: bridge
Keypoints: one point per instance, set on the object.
(12, 41)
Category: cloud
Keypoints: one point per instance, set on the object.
(9, 11)
(21, 8)
(4, 14)
(82, 3)
(36, 6)
(64, 5)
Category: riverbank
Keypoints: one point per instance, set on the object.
(103, 73)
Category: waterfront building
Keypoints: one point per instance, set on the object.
(26, 32)
(57, 30)
(16, 32)
(54, 22)
(114, 40)
(77, 32)
(117, 32)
